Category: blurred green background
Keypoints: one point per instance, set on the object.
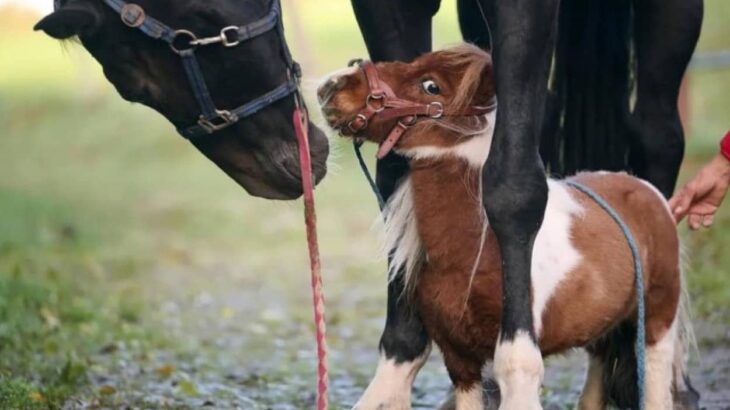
(133, 271)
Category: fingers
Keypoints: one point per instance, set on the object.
(697, 221)
(694, 221)
(680, 203)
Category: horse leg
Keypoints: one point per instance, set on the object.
(515, 188)
(396, 30)
(592, 397)
(666, 32)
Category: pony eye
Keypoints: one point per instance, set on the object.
(430, 87)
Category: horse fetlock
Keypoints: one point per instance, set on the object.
(519, 370)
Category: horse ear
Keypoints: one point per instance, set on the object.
(68, 22)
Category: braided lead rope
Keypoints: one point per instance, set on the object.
(640, 346)
(300, 126)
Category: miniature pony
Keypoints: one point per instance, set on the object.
(439, 113)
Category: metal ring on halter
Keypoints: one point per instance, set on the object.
(376, 97)
(355, 62)
(408, 121)
(364, 125)
(191, 44)
(440, 110)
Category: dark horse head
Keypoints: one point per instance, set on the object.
(260, 151)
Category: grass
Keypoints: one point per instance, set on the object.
(97, 197)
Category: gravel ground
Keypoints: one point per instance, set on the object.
(242, 343)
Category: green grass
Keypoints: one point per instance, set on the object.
(98, 196)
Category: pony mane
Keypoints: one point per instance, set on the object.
(476, 61)
(401, 242)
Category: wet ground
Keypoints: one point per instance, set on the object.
(238, 341)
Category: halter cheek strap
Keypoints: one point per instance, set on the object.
(184, 43)
(382, 104)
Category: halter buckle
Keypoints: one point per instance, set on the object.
(229, 36)
(224, 119)
(439, 110)
(376, 97)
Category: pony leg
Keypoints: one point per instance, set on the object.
(659, 370)
(666, 34)
(515, 187)
(592, 397)
(396, 30)
(466, 375)
(470, 398)
(391, 387)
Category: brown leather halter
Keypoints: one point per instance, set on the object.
(382, 104)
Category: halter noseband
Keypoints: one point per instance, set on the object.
(184, 43)
(382, 104)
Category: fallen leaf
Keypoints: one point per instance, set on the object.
(188, 388)
(166, 371)
(37, 397)
(227, 313)
(107, 390)
(51, 319)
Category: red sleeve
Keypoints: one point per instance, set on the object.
(725, 146)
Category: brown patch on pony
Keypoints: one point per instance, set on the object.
(603, 285)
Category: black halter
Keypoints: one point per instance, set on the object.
(184, 43)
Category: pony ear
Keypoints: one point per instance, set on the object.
(68, 22)
(487, 86)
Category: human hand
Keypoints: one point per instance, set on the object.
(703, 195)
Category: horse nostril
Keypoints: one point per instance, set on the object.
(331, 86)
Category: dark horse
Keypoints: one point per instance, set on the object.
(595, 49)
(259, 149)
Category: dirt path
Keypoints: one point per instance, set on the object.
(242, 341)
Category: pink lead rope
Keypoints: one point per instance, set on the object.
(310, 216)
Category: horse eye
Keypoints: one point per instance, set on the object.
(430, 87)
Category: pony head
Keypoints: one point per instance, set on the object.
(454, 89)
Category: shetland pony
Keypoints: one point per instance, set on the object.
(583, 292)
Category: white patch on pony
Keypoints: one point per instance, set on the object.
(401, 241)
(554, 255)
(474, 149)
(659, 372)
(519, 371)
(337, 74)
(391, 387)
(472, 399)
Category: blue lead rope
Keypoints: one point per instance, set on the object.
(638, 269)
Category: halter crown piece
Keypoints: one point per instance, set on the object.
(184, 43)
(382, 104)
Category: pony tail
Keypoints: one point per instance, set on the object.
(683, 391)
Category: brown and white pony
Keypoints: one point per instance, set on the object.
(583, 292)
